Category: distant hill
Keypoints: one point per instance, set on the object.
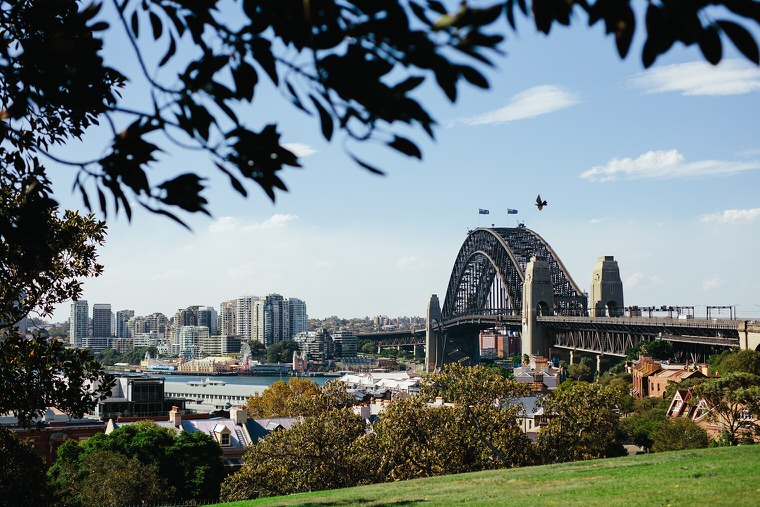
(705, 477)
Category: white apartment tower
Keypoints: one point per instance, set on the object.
(243, 324)
(227, 314)
(79, 322)
(299, 320)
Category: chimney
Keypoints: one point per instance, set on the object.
(175, 417)
(238, 415)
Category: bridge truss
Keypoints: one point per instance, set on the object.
(489, 273)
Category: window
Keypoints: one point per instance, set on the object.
(225, 439)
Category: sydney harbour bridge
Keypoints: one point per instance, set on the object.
(511, 278)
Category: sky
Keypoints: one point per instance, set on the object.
(659, 168)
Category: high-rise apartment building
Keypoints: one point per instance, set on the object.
(299, 320)
(270, 320)
(156, 322)
(227, 314)
(79, 323)
(243, 317)
(207, 317)
(122, 321)
(190, 340)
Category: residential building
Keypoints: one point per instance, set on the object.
(346, 344)
(122, 323)
(156, 322)
(207, 316)
(299, 319)
(79, 323)
(227, 314)
(189, 339)
(651, 377)
(270, 320)
(243, 317)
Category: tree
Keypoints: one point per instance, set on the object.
(353, 66)
(298, 398)
(648, 414)
(736, 361)
(678, 434)
(44, 255)
(22, 476)
(187, 466)
(734, 402)
(658, 349)
(282, 351)
(112, 480)
(583, 424)
(38, 373)
(580, 370)
(314, 454)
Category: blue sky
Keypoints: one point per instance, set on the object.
(659, 167)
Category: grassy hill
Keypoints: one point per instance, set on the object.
(706, 477)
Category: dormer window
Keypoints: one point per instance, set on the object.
(222, 434)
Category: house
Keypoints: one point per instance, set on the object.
(539, 373)
(650, 376)
(686, 404)
(54, 429)
(228, 432)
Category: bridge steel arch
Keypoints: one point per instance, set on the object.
(489, 273)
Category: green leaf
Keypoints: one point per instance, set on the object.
(135, 24)
(405, 146)
(741, 38)
(324, 117)
(156, 25)
(366, 166)
(710, 45)
(169, 52)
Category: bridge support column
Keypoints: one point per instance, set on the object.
(606, 295)
(749, 335)
(599, 364)
(433, 348)
(538, 299)
(572, 356)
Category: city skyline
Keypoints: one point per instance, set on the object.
(658, 168)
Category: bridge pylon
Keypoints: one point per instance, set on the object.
(538, 300)
(433, 346)
(606, 295)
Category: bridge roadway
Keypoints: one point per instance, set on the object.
(599, 335)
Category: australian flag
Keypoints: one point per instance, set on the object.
(482, 211)
(511, 211)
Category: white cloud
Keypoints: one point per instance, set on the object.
(733, 216)
(231, 224)
(599, 220)
(641, 280)
(223, 224)
(663, 164)
(528, 104)
(730, 77)
(411, 262)
(712, 283)
(273, 222)
(324, 264)
(300, 149)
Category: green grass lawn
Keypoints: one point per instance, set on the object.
(705, 477)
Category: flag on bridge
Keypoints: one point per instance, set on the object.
(482, 211)
(511, 211)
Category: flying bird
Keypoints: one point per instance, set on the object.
(539, 203)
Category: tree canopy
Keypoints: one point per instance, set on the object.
(354, 66)
(184, 466)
